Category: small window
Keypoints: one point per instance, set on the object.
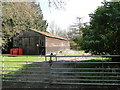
(41, 43)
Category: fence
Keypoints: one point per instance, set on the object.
(33, 71)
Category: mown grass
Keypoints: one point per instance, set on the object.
(83, 65)
(25, 61)
(98, 60)
(22, 61)
(80, 65)
(106, 67)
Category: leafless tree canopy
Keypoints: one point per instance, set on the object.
(58, 4)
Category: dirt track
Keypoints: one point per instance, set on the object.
(76, 58)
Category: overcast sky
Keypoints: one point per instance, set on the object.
(73, 9)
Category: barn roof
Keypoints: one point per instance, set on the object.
(49, 35)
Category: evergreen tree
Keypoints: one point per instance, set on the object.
(102, 36)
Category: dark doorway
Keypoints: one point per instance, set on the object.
(42, 50)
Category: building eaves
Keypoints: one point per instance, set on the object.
(48, 35)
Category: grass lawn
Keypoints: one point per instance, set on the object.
(99, 60)
(100, 67)
(94, 65)
(24, 61)
(10, 62)
(22, 65)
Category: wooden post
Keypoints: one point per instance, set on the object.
(50, 65)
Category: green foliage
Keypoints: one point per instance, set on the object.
(20, 16)
(78, 40)
(11, 62)
(73, 44)
(102, 36)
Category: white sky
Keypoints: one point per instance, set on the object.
(73, 9)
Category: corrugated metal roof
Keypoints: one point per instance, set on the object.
(49, 35)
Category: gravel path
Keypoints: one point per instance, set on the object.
(76, 58)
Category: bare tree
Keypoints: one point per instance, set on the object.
(75, 29)
(53, 28)
(58, 4)
(56, 30)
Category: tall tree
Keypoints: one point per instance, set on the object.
(75, 33)
(102, 36)
(54, 29)
(19, 16)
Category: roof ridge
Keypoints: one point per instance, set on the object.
(48, 34)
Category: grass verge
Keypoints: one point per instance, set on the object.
(16, 63)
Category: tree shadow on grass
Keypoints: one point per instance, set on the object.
(37, 75)
(31, 75)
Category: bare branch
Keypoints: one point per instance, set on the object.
(58, 4)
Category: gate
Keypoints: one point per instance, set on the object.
(56, 72)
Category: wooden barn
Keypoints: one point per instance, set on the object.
(34, 42)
